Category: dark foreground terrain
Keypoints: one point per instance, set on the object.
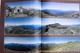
(10, 51)
(44, 47)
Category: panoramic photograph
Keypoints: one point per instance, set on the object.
(22, 26)
(21, 44)
(23, 9)
(55, 44)
(41, 26)
(41, 44)
(59, 10)
(60, 26)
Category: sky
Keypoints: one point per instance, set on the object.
(62, 21)
(35, 40)
(40, 21)
(26, 4)
(22, 40)
(22, 21)
(45, 5)
(60, 6)
(58, 40)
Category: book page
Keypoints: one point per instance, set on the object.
(22, 27)
(61, 27)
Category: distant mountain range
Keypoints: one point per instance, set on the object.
(57, 12)
(78, 25)
(31, 27)
(60, 14)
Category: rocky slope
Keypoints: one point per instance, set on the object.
(57, 29)
(20, 30)
(26, 12)
(70, 15)
(73, 15)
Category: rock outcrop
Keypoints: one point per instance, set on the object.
(57, 29)
(73, 15)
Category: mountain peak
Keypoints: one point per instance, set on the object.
(55, 24)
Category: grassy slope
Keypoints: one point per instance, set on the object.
(73, 46)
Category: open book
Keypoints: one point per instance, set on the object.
(30, 27)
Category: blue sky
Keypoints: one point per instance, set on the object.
(40, 21)
(60, 6)
(62, 21)
(58, 40)
(26, 4)
(35, 40)
(22, 21)
(22, 40)
(45, 5)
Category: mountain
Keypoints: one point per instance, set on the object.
(75, 14)
(31, 27)
(18, 30)
(60, 14)
(20, 47)
(23, 29)
(76, 25)
(57, 12)
(48, 47)
(70, 46)
(8, 7)
(29, 12)
(57, 29)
